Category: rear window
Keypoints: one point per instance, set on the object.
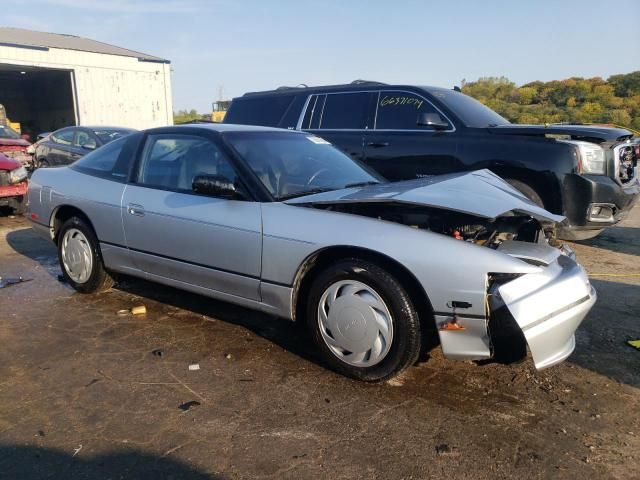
(112, 161)
(264, 111)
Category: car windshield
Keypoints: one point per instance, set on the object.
(293, 165)
(109, 134)
(8, 132)
(469, 110)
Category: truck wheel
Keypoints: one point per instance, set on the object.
(363, 321)
(80, 257)
(526, 190)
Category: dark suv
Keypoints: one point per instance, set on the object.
(585, 173)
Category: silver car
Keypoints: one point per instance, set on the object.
(283, 222)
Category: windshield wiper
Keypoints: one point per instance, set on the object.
(304, 193)
(361, 184)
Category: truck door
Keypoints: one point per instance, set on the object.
(340, 118)
(410, 138)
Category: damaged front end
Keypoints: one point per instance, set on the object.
(538, 303)
(540, 310)
(543, 308)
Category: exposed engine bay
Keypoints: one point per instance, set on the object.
(461, 226)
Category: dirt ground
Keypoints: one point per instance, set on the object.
(83, 395)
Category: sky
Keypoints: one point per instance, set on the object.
(238, 46)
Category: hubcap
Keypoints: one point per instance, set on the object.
(76, 255)
(355, 323)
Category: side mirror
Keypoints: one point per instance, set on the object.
(432, 120)
(89, 146)
(214, 185)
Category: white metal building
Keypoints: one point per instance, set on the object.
(49, 81)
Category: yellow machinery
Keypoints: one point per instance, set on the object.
(219, 108)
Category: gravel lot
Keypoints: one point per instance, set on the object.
(83, 395)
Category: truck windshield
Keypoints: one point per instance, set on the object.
(293, 165)
(469, 110)
(8, 132)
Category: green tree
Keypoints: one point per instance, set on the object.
(184, 116)
(584, 100)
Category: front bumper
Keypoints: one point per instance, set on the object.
(548, 307)
(12, 191)
(583, 195)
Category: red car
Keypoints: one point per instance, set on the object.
(14, 146)
(13, 184)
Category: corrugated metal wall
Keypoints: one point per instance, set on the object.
(109, 89)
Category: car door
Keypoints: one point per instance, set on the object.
(84, 141)
(401, 147)
(339, 118)
(61, 142)
(174, 233)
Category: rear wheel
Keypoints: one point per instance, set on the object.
(80, 257)
(526, 190)
(363, 321)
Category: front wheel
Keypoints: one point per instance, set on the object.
(526, 190)
(363, 321)
(80, 258)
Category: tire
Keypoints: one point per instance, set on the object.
(80, 258)
(372, 298)
(20, 206)
(526, 190)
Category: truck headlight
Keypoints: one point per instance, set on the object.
(591, 158)
(17, 175)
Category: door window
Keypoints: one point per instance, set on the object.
(400, 111)
(63, 137)
(337, 111)
(172, 161)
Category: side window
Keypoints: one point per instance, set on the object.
(84, 139)
(110, 161)
(400, 111)
(344, 111)
(64, 137)
(172, 161)
(266, 111)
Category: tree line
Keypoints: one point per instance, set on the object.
(615, 100)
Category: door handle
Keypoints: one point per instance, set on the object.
(378, 144)
(137, 210)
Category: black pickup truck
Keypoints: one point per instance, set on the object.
(586, 173)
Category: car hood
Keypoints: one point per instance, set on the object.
(479, 193)
(605, 134)
(13, 142)
(7, 163)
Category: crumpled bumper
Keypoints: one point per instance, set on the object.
(548, 307)
(14, 190)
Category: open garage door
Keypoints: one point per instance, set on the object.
(40, 99)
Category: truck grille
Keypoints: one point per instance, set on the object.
(626, 162)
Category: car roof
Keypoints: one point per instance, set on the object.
(95, 127)
(227, 127)
(356, 87)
